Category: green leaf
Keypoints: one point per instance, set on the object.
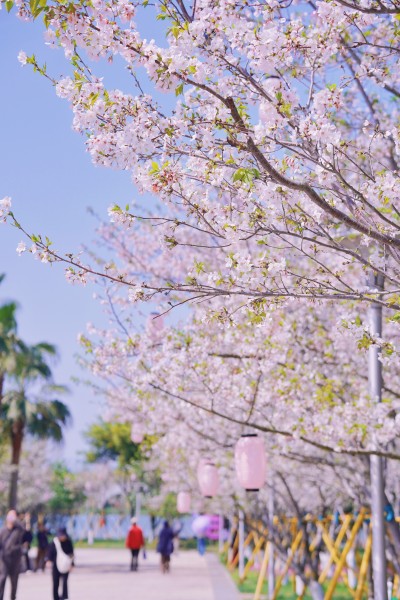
(246, 175)
(37, 6)
(9, 5)
(199, 266)
(155, 167)
(179, 89)
(175, 30)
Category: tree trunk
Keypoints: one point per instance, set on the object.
(1, 387)
(17, 436)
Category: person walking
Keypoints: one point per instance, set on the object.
(61, 554)
(11, 537)
(26, 540)
(135, 541)
(42, 545)
(201, 545)
(165, 546)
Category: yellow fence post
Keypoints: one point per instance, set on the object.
(338, 555)
(339, 539)
(364, 568)
(342, 561)
(235, 539)
(235, 561)
(396, 584)
(293, 549)
(334, 555)
(263, 572)
(250, 562)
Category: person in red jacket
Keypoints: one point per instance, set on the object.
(134, 541)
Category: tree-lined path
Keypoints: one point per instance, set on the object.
(103, 575)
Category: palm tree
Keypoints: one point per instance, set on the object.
(23, 412)
(8, 340)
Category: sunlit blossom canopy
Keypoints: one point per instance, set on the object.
(137, 433)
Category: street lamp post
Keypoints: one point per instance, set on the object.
(241, 543)
(376, 462)
(271, 562)
(220, 533)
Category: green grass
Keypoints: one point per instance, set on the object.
(189, 544)
(286, 591)
(101, 544)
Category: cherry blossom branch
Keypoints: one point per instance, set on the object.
(287, 434)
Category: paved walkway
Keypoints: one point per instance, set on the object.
(104, 575)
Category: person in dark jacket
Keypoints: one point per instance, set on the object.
(165, 546)
(65, 543)
(42, 544)
(27, 539)
(11, 537)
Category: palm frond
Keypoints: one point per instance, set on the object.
(47, 419)
(8, 322)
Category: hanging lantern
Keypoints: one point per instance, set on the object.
(208, 478)
(250, 462)
(183, 502)
(137, 433)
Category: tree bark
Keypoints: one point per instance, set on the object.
(1, 387)
(17, 436)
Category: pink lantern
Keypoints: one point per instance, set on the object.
(183, 502)
(208, 478)
(137, 433)
(250, 462)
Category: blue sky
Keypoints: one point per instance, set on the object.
(44, 168)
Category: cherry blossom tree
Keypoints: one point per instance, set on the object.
(295, 378)
(276, 148)
(35, 473)
(298, 376)
(273, 153)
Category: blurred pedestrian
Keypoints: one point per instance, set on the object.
(61, 554)
(200, 526)
(42, 545)
(135, 541)
(165, 546)
(25, 520)
(201, 545)
(10, 553)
